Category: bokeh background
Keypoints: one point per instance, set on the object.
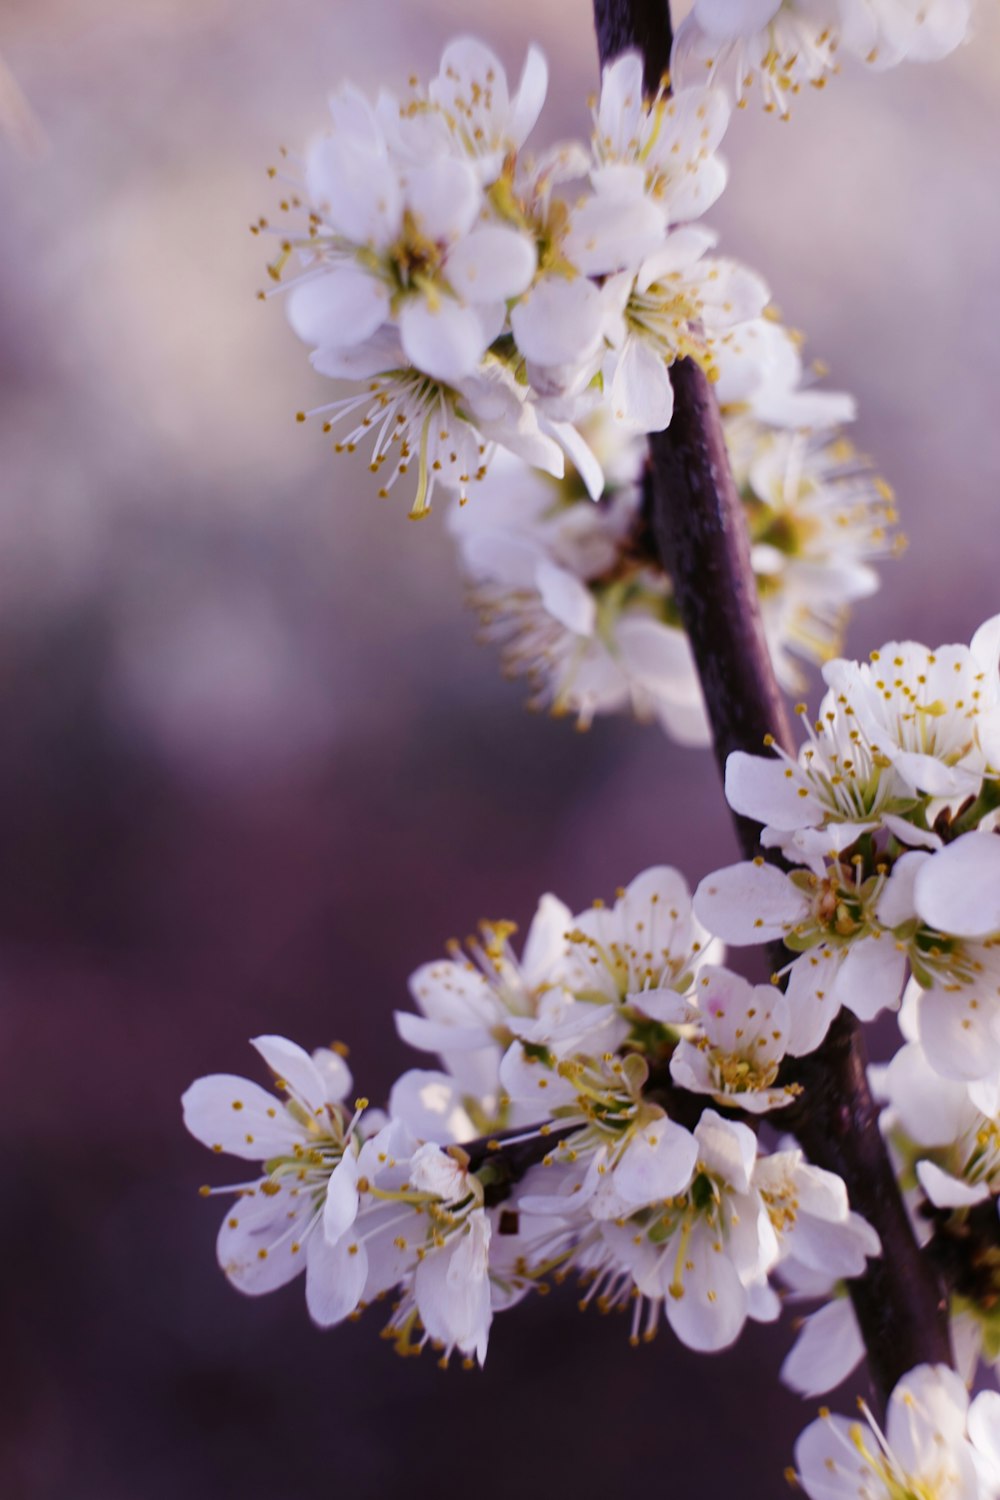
(254, 769)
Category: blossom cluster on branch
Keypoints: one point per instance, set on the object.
(595, 1101)
(579, 598)
(479, 295)
(613, 1103)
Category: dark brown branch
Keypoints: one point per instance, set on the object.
(642, 25)
(510, 1154)
(701, 531)
(699, 524)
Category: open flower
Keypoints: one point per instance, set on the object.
(742, 1034)
(933, 1444)
(666, 145)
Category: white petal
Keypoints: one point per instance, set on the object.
(335, 1278)
(829, 1346)
(812, 998)
(431, 1105)
(711, 1310)
(580, 455)
(907, 833)
(985, 647)
(958, 889)
(657, 1163)
(933, 1110)
(559, 322)
(770, 791)
(896, 904)
(749, 903)
(658, 657)
(683, 248)
(344, 306)
(491, 263)
(946, 1191)
(984, 1431)
(939, 1395)
(335, 1073)
(642, 396)
(871, 976)
(439, 1036)
(527, 103)
(445, 340)
(526, 1079)
(452, 1290)
(291, 1065)
(259, 1246)
(341, 1207)
(665, 1006)
(828, 1464)
(232, 1115)
(724, 20)
(959, 1033)
(727, 1148)
(356, 190)
(444, 197)
(546, 940)
(609, 233)
(566, 599)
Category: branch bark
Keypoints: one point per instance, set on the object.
(701, 532)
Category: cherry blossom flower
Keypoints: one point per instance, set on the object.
(951, 1128)
(848, 958)
(934, 714)
(934, 1443)
(678, 305)
(668, 143)
(467, 109)
(407, 242)
(560, 583)
(817, 517)
(742, 1035)
(781, 45)
(760, 374)
(446, 434)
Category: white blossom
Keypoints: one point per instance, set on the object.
(781, 45)
(741, 1034)
(446, 435)
(668, 143)
(678, 305)
(467, 109)
(777, 45)
(760, 374)
(934, 714)
(562, 585)
(934, 1444)
(817, 517)
(952, 1128)
(847, 957)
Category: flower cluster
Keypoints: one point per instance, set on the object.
(575, 1061)
(886, 821)
(479, 295)
(579, 599)
(935, 1443)
(782, 44)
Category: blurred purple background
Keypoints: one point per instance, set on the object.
(254, 769)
